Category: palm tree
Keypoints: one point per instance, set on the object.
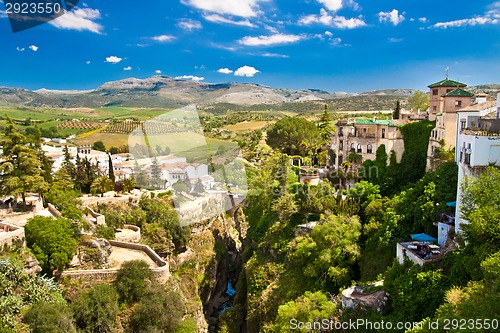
(129, 184)
(102, 184)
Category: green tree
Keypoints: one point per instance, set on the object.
(481, 208)
(21, 170)
(308, 308)
(129, 183)
(111, 169)
(419, 101)
(156, 181)
(133, 279)
(86, 173)
(52, 241)
(294, 136)
(66, 200)
(325, 126)
(397, 110)
(99, 145)
(96, 309)
(157, 311)
(330, 251)
(43, 317)
(102, 185)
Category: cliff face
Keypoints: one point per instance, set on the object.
(202, 273)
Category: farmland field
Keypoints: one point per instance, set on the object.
(247, 126)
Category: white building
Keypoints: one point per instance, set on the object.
(478, 145)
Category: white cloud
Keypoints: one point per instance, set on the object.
(335, 5)
(335, 21)
(216, 18)
(423, 19)
(247, 71)
(79, 19)
(274, 55)
(127, 68)
(224, 71)
(328, 33)
(332, 5)
(190, 77)
(88, 62)
(392, 16)
(158, 71)
(188, 24)
(20, 49)
(163, 38)
(113, 59)
(336, 41)
(352, 23)
(481, 20)
(33, 48)
(394, 40)
(241, 8)
(492, 16)
(276, 39)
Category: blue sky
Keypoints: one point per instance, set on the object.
(335, 45)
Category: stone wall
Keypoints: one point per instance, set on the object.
(134, 237)
(11, 235)
(161, 273)
(53, 210)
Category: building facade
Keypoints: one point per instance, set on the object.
(364, 137)
(446, 97)
(478, 146)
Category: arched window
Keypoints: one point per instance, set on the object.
(369, 149)
(353, 147)
(359, 148)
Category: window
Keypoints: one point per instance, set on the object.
(369, 149)
(353, 149)
(434, 108)
(458, 104)
(448, 90)
(341, 144)
(341, 159)
(434, 92)
(383, 133)
(359, 148)
(463, 124)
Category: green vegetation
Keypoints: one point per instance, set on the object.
(21, 290)
(132, 280)
(96, 309)
(294, 136)
(419, 101)
(52, 241)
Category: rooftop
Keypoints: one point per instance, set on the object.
(375, 122)
(447, 83)
(458, 93)
(479, 106)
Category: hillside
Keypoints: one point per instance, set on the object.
(166, 92)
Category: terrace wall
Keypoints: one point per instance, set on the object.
(14, 235)
(161, 273)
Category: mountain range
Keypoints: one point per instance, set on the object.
(163, 91)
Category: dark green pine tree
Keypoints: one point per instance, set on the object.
(397, 111)
(67, 165)
(325, 127)
(156, 174)
(111, 171)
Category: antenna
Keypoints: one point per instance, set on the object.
(447, 70)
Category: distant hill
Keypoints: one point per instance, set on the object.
(166, 92)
